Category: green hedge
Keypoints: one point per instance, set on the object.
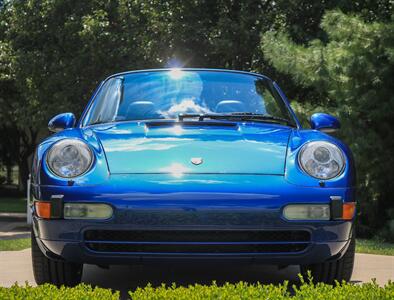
(241, 290)
(51, 292)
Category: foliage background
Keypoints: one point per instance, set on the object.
(331, 55)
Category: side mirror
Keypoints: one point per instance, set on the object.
(324, 122)
(61, 122)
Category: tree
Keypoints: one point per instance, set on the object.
(353, 71)
(53, 54)
(226, 33)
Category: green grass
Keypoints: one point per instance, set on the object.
(9, 204)
(14, 245)
(374, 247)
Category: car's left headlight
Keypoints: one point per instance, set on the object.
(322, 160)
(69, 158)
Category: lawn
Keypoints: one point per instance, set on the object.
(11, 204)
(374, 247)
(14, 245)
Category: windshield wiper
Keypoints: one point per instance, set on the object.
(238, 116)
(248, 116)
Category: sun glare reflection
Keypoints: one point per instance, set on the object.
(177, 129)
(176, 73)
(176, 170)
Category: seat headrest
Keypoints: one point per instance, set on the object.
(139, 110)
(227, 106)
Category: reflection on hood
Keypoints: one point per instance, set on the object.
(243, 149)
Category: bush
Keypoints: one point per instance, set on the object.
(48, 291)
(241, 290)
(245, 291)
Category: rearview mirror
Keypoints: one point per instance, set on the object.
(61, 122)
(324, 122)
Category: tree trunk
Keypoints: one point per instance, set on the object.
(9, 173)
(23, 173)
(28, 144)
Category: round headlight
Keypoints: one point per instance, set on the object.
(322, 160)
(69, 158)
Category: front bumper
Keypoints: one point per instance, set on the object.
(195, 203)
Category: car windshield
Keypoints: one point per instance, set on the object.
(167, 94)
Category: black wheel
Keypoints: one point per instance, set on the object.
(50, 271)
(339, 270)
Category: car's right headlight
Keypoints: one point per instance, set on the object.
(69, 158)
(322, 160)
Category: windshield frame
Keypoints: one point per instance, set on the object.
(275, 89)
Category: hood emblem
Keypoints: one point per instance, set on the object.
(196, 160)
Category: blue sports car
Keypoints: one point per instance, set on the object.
(186, 165)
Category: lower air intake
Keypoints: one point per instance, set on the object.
(197, 242)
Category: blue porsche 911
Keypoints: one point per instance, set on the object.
(186, 165)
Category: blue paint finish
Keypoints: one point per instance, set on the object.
(250, 172)
(77, 252)
(322, 121)
(61, 122)
(133, 148)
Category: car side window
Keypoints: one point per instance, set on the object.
(107, 102)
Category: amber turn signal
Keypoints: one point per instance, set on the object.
(348, 211)
(43, 209)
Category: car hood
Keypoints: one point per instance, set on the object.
(199, 147)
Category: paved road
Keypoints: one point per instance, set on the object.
(13, 226)
(16, 266)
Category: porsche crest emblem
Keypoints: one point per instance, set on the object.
(196, 160)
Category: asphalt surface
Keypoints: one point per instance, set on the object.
(13, 226)
(15, 266)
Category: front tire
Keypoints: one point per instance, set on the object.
(50, 271)
(338, 270)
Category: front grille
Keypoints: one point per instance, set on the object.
(199, 248)
(198, 236)
(193, 241)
